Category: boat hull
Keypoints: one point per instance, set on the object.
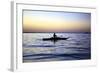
(51, 39)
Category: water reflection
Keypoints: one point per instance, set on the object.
(77, 47)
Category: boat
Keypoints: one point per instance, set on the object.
(57, 38)
(54, 38)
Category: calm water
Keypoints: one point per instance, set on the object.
(77, 47)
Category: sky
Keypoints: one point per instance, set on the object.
(56, 21)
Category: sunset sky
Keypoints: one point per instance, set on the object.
(49, 21)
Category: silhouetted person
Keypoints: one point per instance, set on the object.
(54, 35)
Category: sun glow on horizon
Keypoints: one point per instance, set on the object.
(39, 21)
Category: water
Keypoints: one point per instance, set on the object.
(77, 47)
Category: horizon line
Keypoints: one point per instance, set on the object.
(56, 32)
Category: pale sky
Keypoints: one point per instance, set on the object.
(49, 21)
